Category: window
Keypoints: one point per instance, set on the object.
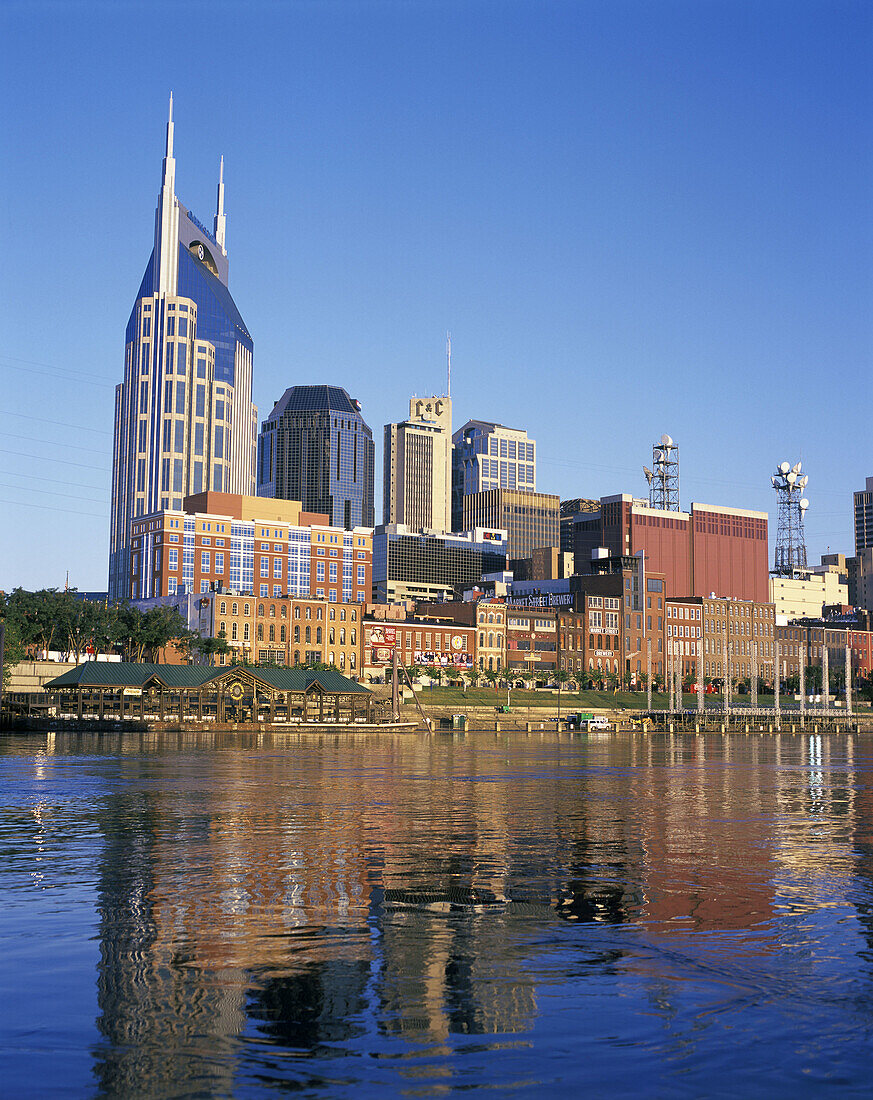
(204, 561)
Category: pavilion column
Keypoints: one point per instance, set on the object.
(80, 703)
(101, 704)
(161, 706)
(321, 706)
(200, 703)
(183, 702)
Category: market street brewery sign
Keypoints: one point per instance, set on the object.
(550, 599)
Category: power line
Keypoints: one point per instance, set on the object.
(53, 493)
(56, 423)
(47, 458)
(45, 508)
(52, 366)
(50, 480)
(55, 443)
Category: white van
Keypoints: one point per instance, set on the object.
(598, 722)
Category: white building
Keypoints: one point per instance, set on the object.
(490, 456)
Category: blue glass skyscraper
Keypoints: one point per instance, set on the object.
(184, 418)
(315, 447)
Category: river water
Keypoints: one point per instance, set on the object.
(525, 915)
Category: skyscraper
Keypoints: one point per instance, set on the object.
(184, 418)
(418, 466)
(864, 517)
(489, 456)
(315, 447)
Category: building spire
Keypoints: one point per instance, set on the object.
(220, 216)
(166, 266)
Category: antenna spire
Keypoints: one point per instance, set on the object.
(448, 364)
(220, 225)
(169, 152)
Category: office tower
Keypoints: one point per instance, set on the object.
(184, 418)
(418, 466)
(531, 520)
(411, 565)
(864, 517)
(315, 447)
(489, 456)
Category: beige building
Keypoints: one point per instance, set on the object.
(804, 596)
(418, 466)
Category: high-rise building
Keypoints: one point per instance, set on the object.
(531, 520)
(864, 517)
(418, 466)
(184, 418)
(315, 447)
(489, 456)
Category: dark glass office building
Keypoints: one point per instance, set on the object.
(419, 565)
(315, 447)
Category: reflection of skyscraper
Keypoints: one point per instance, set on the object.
(184, 419)
(315, 447)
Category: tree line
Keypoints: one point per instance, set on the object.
(52, 620)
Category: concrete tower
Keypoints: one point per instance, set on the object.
(418, 466)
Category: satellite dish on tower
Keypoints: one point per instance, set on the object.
(666, 441)
(804, 504)
(648, 473)
(804, 481)
(784, 467)
(773, 479)
(791, 477)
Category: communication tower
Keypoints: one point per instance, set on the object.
(663, 478)
(790, 542)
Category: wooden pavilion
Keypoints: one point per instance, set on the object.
(115, 691)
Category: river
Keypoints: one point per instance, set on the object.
(352, 916)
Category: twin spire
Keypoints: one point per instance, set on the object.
(169, 180)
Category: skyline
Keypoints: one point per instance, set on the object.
(670, 206)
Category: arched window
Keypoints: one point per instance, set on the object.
(342, 635)
(352, 659)
(330, 636)
(353, 615)
(318, 635)
(234, 609)
(272, 611)
(342, 663)
(233, 632)
(245, 632)
(319, 613)
(296, 656)
(490, 664)
(260, 632)
(282, 635)
(296, 633)
(308, 636)
(354, 637)
(284, 611)
(296, 612)
(223, 608)
(343, 615)
(331, 660)
(247, 610)
(222, 628)
(332, 615)
(261, 609)
(482, 637)
(272, 632)
(308, 612)
(490, 641)
(490, 618)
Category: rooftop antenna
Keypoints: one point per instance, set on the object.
(663, 478)
(789, 484)
(449, 364)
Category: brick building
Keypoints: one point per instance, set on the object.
(267, 548)
(708, 549)
(445, 645)
(710, 622)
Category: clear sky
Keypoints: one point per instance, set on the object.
(634, 217)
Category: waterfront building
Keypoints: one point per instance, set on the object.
(807, 592)
(530, 519)
(184, 418)
(490, 456)
(430, 644)
(728, 633)
(864, 517)
(422, 565)
(418, 466)
(264, 547)
(316, 448)
(710, 548)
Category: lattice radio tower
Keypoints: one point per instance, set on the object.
(663, 478)
(790, 543)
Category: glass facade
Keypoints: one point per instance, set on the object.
(316, 448)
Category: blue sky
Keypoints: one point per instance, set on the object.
(634, 218)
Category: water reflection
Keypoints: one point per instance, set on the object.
(295, 912)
